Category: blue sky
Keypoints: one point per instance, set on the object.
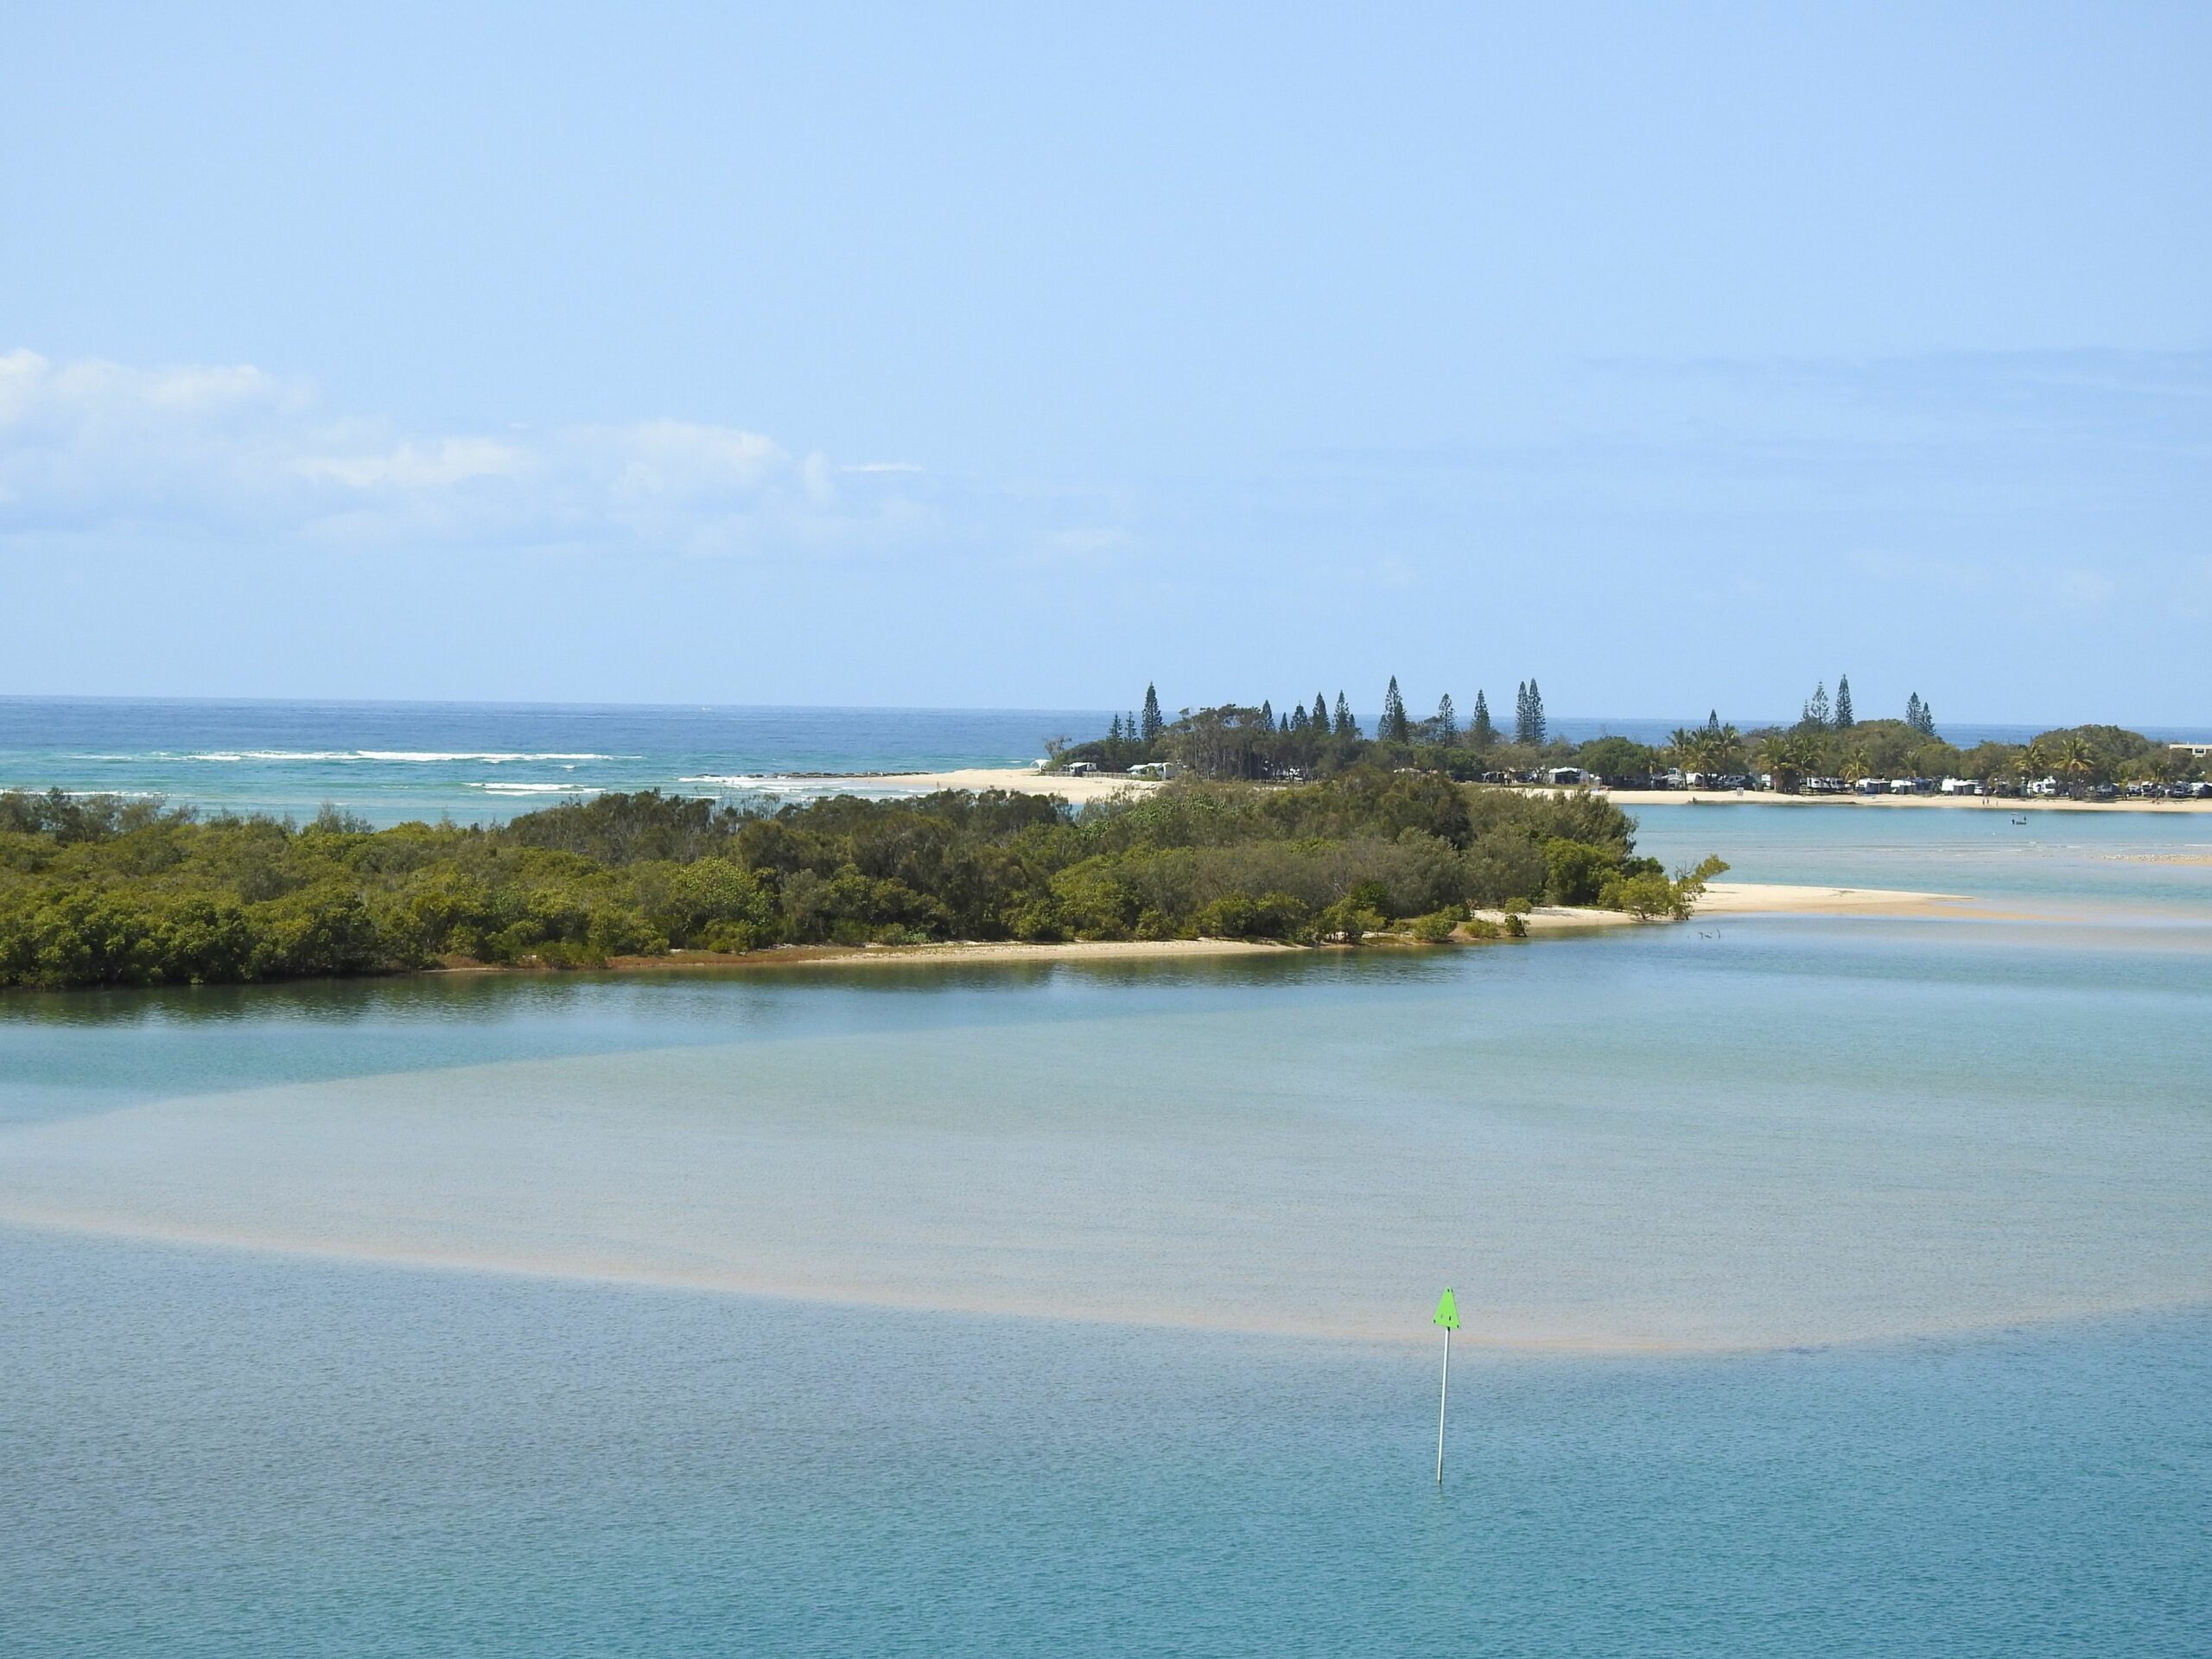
(1679, 356)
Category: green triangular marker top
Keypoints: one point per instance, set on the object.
(1448, 1312)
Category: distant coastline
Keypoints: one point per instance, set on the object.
(1097, 786)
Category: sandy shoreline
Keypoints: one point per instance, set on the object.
(1780, 899)
(1022, 780)
(1722, 899)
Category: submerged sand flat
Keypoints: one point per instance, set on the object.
(1208, 1170)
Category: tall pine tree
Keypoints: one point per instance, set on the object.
(1346, 726)
(1480, 731)
(1267, 713)
(1320, 715)
(1843, 718)
(1521, 712)
(1395, 727)
(1113, 732)
(1537, 730)
(1817, 708)
(1912, 711)
(1448, 719)
(1152, 724)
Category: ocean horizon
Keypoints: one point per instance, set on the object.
(484, 762)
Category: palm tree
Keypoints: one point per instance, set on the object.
(1727, 750)
(1682, 748)
(1858, 764)
(1790, 756)
(2034, 764)
(2077, 760)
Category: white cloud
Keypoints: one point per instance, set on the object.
(91, 445)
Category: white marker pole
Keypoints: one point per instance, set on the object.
(1442, 1394)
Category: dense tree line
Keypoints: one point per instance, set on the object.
(1828, 741)
(1298, 743)
(101, 892)
(2077, 758)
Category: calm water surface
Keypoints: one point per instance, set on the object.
(1833, 1287)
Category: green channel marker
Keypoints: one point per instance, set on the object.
(1447, 1315)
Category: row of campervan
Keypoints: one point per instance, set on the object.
(1882, 785)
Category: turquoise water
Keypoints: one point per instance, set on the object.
(1832, 1287)
(212, 1454)
(2138, 865)
(483, 762)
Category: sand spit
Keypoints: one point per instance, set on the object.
(1022, 780)
(1723, 899)
(1776, 898)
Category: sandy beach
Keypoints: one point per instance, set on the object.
(1776, 898)
(1722, 899)
(1023, 780)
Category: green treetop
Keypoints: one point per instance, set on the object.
(1480, 731)
(1394, 726)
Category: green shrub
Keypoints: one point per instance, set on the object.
(1435, 927)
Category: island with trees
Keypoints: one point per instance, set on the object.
(103, 890)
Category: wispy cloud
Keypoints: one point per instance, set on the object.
(92, 444)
